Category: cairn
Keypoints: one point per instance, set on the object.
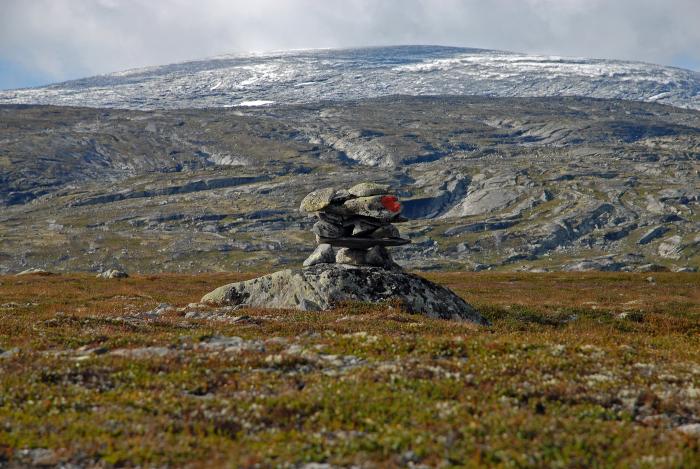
(350, 263)
(358, 222)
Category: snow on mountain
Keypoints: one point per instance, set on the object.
(315, 75)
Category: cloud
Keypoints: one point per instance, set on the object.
(61, 39)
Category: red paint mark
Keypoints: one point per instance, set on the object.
(391, 203)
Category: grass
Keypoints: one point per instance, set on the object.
(577, 370)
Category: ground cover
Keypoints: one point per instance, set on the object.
(576, 370)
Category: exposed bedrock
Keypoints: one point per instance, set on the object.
(323, 286)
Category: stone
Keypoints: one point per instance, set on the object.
(670, 247)
(363, 226)
(326, 229)
(323, 286)
(351, 256)
(652, 234)
(386, 231)
(9, 353)
(379, 256)
(690, 429)
(323, 254)
(317, 200)
(381, 207)
(112, 273)
(364, 243)
(141, 352)
(334, 218)
(365, 189)
(34, 271)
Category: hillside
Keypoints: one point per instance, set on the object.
(488, 183)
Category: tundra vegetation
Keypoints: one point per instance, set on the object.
(576, 370)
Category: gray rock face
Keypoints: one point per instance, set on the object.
(488, 196)
(652, 234)
(600, 164)
(323, 286)
(671, 247)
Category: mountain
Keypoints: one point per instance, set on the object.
(487, 183)
(316, 75)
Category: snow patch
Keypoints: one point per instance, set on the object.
(258, 102)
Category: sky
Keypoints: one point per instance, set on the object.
(46, 41)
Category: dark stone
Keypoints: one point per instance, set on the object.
(363, 243)
(379, 256)
(326, 229)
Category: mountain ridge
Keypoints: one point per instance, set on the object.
(312, 75)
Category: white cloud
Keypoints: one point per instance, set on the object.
(72, 38)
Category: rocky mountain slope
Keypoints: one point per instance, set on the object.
(501, 183)
(314, 75)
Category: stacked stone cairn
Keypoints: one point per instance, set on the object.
(355, 226)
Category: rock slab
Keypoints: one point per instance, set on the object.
(320, 287)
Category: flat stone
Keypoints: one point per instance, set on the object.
(326, 229)
(323, 254)
(334, 218)
(365, 189)
(323, 286)
(351, 256)
(317, 200)
(386, 231)
(363, 243)
(370, 207)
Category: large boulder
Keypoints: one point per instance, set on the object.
(323, 286)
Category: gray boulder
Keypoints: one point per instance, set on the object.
(323, 286)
